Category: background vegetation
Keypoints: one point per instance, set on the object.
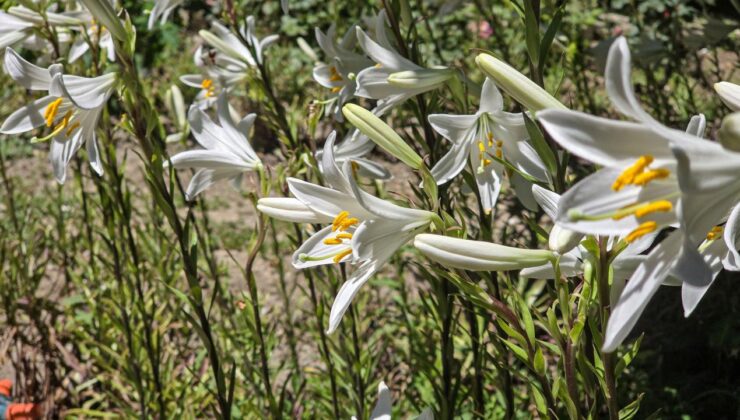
(95, 311)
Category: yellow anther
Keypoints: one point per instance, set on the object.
(338, 220)
(715, 233)
(341, 255)
(344, 235)
(645, 177)
(489, 136)
(654, 207)
(332, 241)
(499, 143)
(334, 75)
(72, 128)
(378, 66)
(487, 162)
(481, 147)
(628, 175)
(336, 89)
(640, 231)
(51, 111)
(347, 223)
(499, 153)
(206, 84)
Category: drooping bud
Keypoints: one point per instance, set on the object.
(729, 132)
(103, 12)
(521, 88)
(478, 255)
(381, 134)
(729, 93)
(422, 79)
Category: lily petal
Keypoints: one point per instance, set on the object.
(490, 97)
(28, 75)
(348, 291)
(27, 118)
(204, 178)
(291, 210)
(603, 141)
(640, 289)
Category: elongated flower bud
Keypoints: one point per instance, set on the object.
(563, 240)
(729, 93)
(478, 255)
(521, 88)
(729, 132)
(381, 134)
(103, 12)
(421, 79)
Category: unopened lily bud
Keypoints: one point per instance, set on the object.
(478, 255)
(103, 12)
(519, 86)
(381, 134)
(563, 240)
(729, 93)
(176, 105)
(422, 79)
(729, 132)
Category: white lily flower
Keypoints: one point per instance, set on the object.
(95, 33)
(161, 11)
(227, 153)
(635, 199)
(217, 76)
(382, 409)
(636, 192)
(71, 110)
(376, 82)
(232, 54)
(729, 93)
(13, 30)
(353, 149)
(478, 255)
(364, 230)
(343, 64)
(707, 175)
(18, 23)
(490, 131)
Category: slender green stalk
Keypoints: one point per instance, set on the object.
(608, 358)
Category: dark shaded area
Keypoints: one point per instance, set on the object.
(690, 367)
